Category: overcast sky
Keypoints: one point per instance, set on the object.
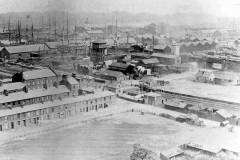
(221, 8)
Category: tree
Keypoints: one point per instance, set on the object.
(140, 153)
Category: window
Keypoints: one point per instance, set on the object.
(52, 109)
(37, 112)
(18, 115)
(8, 118)
(34, 113)
(19, 123)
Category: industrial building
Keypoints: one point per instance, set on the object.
(23, 51)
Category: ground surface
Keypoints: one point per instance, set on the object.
(112, 137)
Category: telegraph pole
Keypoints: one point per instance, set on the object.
(67, 29)
(32, 33)
(55, 28)
(9, 30)
(153, 39)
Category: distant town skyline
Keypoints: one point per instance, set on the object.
(220, 8)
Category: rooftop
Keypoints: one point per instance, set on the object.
(225, 75)
(54, 103)
(224, 113)
(152, 94)
(197, 43)
(207, 148)
(72, 81)
(26, 48)
(95, 32)
(160, 46)
(140, 54)
(160, 55)
(54, 45)
(173, 152)
(33, 94)
(176, 103)
(35, 74)
(150, 61)
(12, 86)
(119, 65)
(110, 73)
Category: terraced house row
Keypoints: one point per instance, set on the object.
(33, 114)
(38, 95)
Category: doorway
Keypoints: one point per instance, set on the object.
(24, 123)
(12, 125)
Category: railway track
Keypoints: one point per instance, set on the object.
(202, 101)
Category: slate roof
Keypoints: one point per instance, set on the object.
(54, 45)
(95, 32)
(224, 113)
(54, 103)
(225, 75)
(150, 61)
(160, 55)
(119, 65)
(111, 73)
(26, 48)
(35, 74)
(152, 94)
(173, 152)
(129, 40)
(160, 46)
(33, 94)
(12, 86)
(99, 41)
(176, 103)
(187, 44)
(72, 81)
(211, 149)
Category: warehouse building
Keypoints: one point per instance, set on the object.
(23, 51)
(35, 79)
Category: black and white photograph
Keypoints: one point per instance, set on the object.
(119, 80)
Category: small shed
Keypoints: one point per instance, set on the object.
(226, 78)
(122, 67)
(162, 48)
(148, 63)
(153, 99)
(176, 105)
(222, 115)
(207, 149)
(205, 76)
(171, 154)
